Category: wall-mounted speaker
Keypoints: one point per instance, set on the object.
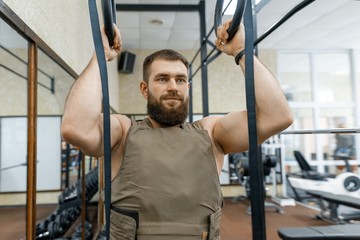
(126, 62)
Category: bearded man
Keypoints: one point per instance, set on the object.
(165, 171)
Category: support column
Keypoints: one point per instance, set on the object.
(203, 53)
(31, 143)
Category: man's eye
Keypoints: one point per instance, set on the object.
(181, 81)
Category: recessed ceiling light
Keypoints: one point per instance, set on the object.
(156, 21)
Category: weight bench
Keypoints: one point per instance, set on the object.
(345, 231)
(338, 232)
(330, 211)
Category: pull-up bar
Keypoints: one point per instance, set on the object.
(273, 27)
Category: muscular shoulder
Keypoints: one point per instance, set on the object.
(124, 121)
(120, 124)
(208, 123)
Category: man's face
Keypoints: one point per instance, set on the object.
(168, 99)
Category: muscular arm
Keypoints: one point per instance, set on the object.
(82, 123)
(273, 113)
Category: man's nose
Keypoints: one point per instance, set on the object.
(172, 85)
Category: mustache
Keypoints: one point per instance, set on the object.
(172, 95)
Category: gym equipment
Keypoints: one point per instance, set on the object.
(257, 191)
(256, 164)
(345, 155)
(323, 131)
(73, 193)
(307, 171)
(335, 232)
(109, 16)
(99, 49)
(346, 183)
(13, 18)
(269, 162)
(52, 231)
(239, 12)
(78, 231)
(329, 204)
(57, 223)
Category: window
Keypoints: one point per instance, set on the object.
(333, 77)
(295, 76)
(321, 91)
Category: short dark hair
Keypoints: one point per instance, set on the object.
(165, 54)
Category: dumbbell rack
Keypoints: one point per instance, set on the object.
(66, 221)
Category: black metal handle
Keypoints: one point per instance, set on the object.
(109, 15)
(239, 12)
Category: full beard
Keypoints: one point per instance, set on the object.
(167, 116)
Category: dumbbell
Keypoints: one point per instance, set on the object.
(78, 232)
(63, 219)
(42, 227)
(53, 231)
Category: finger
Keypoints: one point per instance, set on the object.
(219, 44)
(227, 24)
(226, 27)
(117, 38)
(222, 33)
(105, 39)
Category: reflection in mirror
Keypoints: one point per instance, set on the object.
(13, 92)
(13, 133)
(13, 72)
(54, 84)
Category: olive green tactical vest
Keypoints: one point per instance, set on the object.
(168, 186)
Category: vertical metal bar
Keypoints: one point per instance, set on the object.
(257, 190)
(83, 196)
(79, 163)
(67, 165)
(355, 79)
(255, 30)
(90, 163)
(191, 107)
(203, 53)
(52, 84)
(318, 139)
(101, 187)
(31, 143)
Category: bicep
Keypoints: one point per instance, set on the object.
(231, 131)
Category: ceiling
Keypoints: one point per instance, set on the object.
(323, 24)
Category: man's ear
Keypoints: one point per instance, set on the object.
(144, 89)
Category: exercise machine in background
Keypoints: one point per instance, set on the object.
(239, 171)
(345, 183)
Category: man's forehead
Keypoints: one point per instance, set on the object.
(166, 67)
